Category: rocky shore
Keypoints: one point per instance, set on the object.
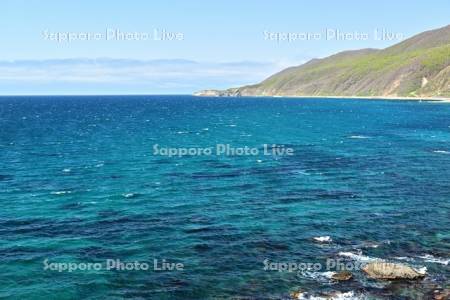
(236, 92)
(391, 271)
(378, 278)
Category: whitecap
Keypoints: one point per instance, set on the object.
(328, 274)
(345, 296)
(358, 256)
(421, 270)
(303, 173)
(323, 239)
(324, 277)
(404, 258)
(67, 170)
(334, 296)
(438, 260)
(418, 269)
(365, 245)
(61, 192)
(359, 137)
(441, 151)
(129, 195)
(318, 275)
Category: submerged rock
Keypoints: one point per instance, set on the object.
(442, 295)
(391, 271)
(342, 276)
(298, 294)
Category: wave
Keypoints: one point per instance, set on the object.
(359, 137)
(318, 276)
(129, 195)
(426, 258)
(441, 151)
(359, 257)
(367, 244)
(61, 192)
(432, 259)
(323, 239)
(404, 258)
(303, 173)
(420, 270)
(332, 296)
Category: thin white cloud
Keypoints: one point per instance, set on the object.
(150, 74)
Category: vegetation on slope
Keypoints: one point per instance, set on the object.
(418, 66)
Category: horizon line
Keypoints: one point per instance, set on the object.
(90, 95)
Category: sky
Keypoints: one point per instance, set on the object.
(176, 46)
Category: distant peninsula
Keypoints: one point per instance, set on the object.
(418, 67)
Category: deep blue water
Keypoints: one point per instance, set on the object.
(79, 183)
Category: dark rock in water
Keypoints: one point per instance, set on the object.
(342, 276)
(298, 294)
(72, 205)
(442, 294)
(202, 248)
(5, 177)
(391, 271)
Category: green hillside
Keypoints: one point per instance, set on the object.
(416, 67)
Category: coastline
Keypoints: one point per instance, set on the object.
(397, 98)
(428, 99)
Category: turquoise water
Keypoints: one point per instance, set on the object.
(79, 182)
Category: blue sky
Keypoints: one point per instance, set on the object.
(224, 43)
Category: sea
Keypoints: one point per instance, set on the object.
(128, 197)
